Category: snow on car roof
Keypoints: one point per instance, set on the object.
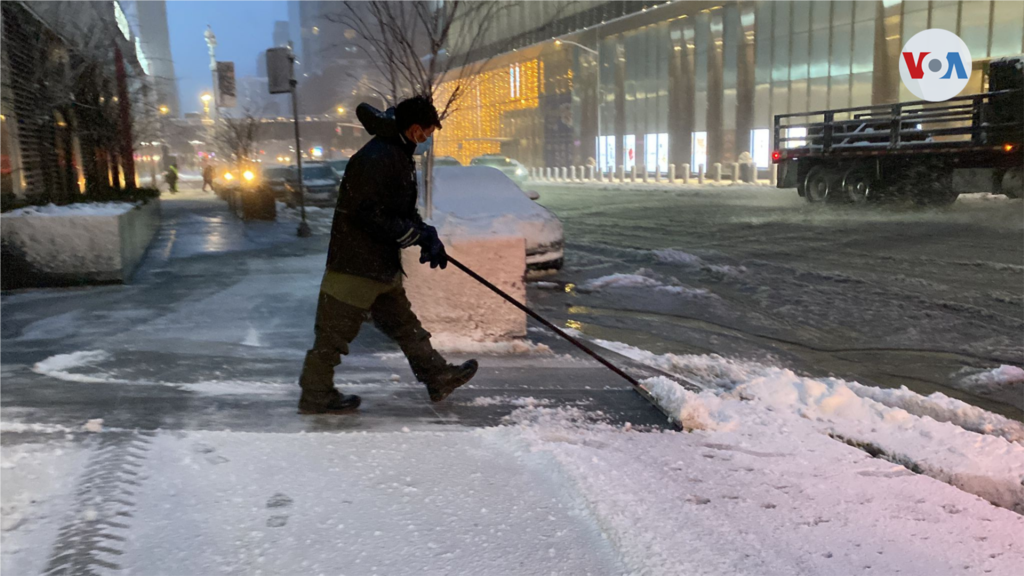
(479, 191)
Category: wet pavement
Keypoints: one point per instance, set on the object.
(888, 295)
(211, 333)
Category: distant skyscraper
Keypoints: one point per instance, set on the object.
(261, 64)
(281, 33)
(156, 43)
(295, 24)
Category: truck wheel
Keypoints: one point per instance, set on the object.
(859, 184)
(1013, 183)
(818, 184)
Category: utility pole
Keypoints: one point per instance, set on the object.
(303, 231)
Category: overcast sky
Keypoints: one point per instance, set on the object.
(243, 29)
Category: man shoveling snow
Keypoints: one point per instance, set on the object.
(375, 219)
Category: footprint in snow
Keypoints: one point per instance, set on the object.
(277, 521)
(279, 500)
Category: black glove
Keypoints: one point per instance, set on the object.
(431, 248)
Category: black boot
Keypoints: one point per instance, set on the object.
(449, 378)
(334, 403)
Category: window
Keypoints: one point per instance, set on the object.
(606, 153)
(656, 152)
(629, 151)
(760, 147)
(700, 151)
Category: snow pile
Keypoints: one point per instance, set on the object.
(671, 256)
(942, 408)
(472, 201)
(936, 436)
(60, 366)
(642, 278)
(78, 209)
(459, 344)
(527, 401)
(693, 411)
(995, 379)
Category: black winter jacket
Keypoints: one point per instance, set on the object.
(376, 214)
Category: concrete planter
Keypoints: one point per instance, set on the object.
(94, 244)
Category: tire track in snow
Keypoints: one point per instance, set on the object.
(93, 537)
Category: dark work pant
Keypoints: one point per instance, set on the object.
(337, 324)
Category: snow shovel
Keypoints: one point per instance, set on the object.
(633, 381)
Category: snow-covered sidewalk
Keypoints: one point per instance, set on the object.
(768, 481)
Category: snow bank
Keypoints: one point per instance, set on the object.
(768, 497)
(450, 301)
(642, 278)
(460, 344)
(994, 379)
(79, 209)
(60, 366)
(962, 445)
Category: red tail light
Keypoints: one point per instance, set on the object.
(776, 155)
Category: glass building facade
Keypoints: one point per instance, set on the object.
(700, 82)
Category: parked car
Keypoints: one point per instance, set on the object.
(482, 201)
(276, 179)
(446, 161)
(319, 184)
(339, 165)
(508, 166)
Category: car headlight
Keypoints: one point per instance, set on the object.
(520, 171)
(228, 176)
(248, 175)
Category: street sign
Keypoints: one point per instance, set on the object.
(280, 74)
(226, 97)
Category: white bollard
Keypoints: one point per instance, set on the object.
(716, 172)
(565, 173)
(590, 173)
(773, 175)
(686, 173)
(572, 173)
(671, 173)
(753, 172)
(736, 173)
(700, 174)
(622, 173)
(657, 174)
(600, 175)
(632, 174)
(646, 176)
(547, 173)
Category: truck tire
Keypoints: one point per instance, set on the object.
(819, 184)
(1013, 183)
(859, 183)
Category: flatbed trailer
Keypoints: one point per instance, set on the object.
(927, 151)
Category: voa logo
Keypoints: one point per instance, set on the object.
(935, 65)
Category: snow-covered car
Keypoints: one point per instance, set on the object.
(319, 183)
(276, 179)
(446, 161)
(482, 201)
(508, 166)
(339, 165)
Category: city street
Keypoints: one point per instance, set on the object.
(155, 422)
(887, 295)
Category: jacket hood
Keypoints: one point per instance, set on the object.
(377, 123)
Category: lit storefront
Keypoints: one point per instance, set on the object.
(699, 82)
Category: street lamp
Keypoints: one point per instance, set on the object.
(341, 110)
(164, 109)
(597, 62)
(206, 103)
